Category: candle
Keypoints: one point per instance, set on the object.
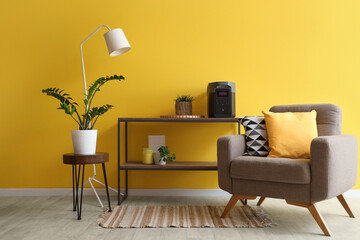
(147, 156)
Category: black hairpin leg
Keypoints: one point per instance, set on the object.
(73, 180)
(106, 186)
(77, 175)
(77, 181)
(82, 188)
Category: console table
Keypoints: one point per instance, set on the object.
(175, 166)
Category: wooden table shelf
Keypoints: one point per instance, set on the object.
(192, 120)
(176, 165)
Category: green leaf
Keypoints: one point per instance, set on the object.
(165, 154)
(184, 98)
(69, 105)
(72, 110)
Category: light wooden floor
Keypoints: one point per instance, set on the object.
(52, 218)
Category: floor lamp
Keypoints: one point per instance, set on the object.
(117, 44)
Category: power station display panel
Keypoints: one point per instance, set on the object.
(222, 93)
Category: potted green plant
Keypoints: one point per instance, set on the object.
(163, 155)
(183, 104)
(84, 139)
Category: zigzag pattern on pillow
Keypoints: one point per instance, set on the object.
(257, 143)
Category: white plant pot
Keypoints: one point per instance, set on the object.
(84, 141)
(157, 159)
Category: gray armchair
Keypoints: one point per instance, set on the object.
(330, 172)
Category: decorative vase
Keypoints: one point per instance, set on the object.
(183, 108)
(157, 159)
(84, 141)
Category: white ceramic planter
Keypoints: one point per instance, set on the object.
(157, 159)
(84, 141)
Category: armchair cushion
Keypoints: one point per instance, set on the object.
(283, 170)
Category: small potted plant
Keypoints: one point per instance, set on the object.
(183, 104)
(84, 139)
(163, 155)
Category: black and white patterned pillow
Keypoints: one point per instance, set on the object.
(257, 142)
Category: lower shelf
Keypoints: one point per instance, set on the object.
(180, 166)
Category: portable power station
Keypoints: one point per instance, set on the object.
(221, 99)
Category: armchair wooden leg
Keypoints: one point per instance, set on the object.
(319, 219)
(345, 205)
(233, 200)
(261, 200)
(315, 213)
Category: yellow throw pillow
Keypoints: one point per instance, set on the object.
(290, 133)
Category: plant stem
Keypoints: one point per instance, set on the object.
(78, 116)
(77, 122)
(86, 119)
(96, 90)
(92, 96)
(89, 105)
(95, 120)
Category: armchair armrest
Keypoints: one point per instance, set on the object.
(334, 165)
(228, 148)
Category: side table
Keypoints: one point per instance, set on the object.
(74, 160)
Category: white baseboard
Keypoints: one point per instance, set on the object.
(353, 193)
(178, 192)
(19, 192)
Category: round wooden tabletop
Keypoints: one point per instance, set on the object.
(99, 157)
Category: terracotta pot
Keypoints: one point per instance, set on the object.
(183, 108)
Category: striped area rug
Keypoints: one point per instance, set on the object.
(184, 217)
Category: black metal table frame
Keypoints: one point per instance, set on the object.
(157, 120)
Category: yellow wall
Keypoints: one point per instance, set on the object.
(277, 52)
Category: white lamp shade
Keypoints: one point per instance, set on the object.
(116, 42)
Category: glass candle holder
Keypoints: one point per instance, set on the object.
(147, 156)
